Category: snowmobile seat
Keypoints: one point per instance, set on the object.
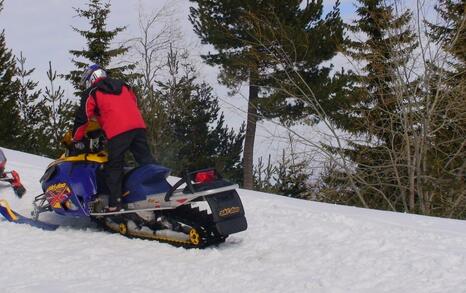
(145, 180)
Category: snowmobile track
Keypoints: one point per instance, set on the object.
(202, 222)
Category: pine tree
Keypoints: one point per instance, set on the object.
(263, 175)
(292, 178)
(451, 34)
(447, 86)
(31, 109)
(389, 41)
(98, 39)
(193, 134)
(9, 86)
(333, 186)
(384, 44)
(226, 155)
(58, 113)
(236, 30)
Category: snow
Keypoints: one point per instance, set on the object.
(291, 246)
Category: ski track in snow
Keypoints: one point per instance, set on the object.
(290, 246)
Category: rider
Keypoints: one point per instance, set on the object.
(114, 105)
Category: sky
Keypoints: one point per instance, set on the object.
(42, 31)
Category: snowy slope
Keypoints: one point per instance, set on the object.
(290, 246)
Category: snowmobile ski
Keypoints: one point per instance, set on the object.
(15, 217)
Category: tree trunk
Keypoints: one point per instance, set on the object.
(248, 156)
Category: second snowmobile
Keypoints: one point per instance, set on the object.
(10, 177)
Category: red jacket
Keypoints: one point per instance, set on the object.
(114, 105)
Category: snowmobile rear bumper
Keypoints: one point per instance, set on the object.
(224, 202)
(228, 212)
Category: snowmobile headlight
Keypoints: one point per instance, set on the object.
(69, 205)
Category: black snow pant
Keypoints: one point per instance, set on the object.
(134, 141)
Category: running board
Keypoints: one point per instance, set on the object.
(173, 200)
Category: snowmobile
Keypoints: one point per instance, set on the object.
(11, 177)
(199, 210)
